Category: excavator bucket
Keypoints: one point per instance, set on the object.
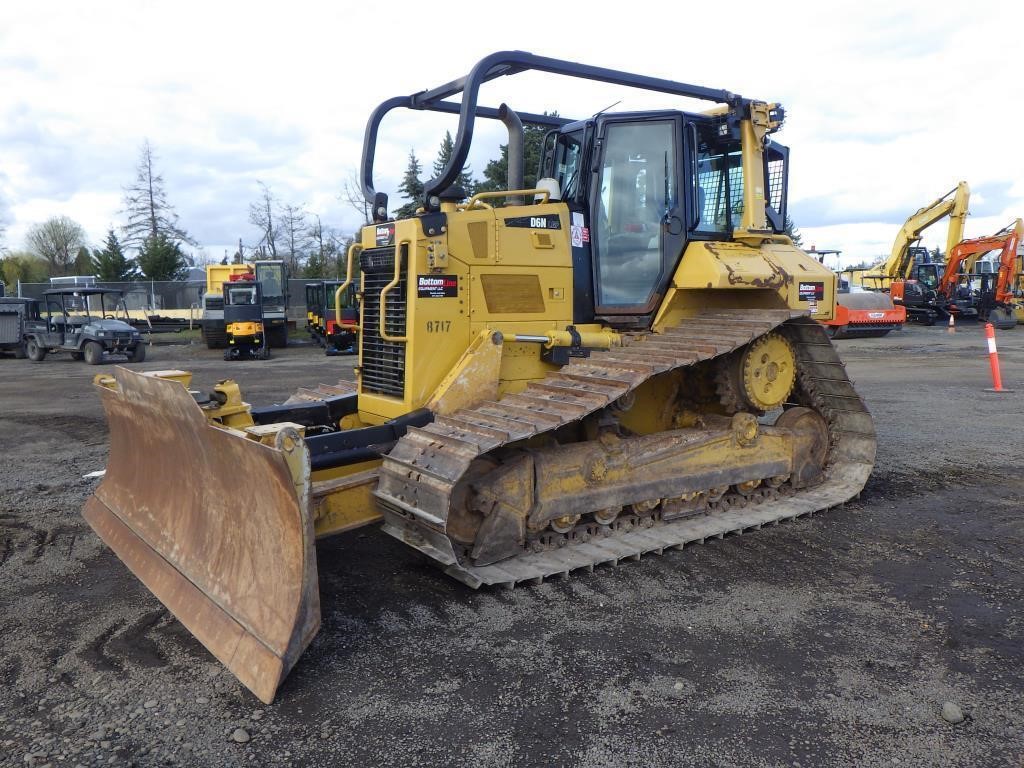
(216, 524)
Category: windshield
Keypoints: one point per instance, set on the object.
(242, 295)
(348, 297)
(928, 275)
(272, 278)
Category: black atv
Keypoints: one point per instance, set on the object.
(84, 322)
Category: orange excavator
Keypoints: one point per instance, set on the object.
(986, 296)
(908, 276)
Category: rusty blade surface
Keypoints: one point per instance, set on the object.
(213, 524)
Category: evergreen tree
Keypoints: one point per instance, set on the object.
(112, 266)
(145, 204)
(496, 171)
(794, 233)
(84, 264)
(160, 258)
(444, 154)
(411, 188)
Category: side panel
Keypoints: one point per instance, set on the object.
(508, 269)
(729, 274)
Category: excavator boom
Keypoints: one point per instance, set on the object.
(967, 253)
(953, 204)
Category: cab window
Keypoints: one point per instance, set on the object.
(718, 183)
(568, 158)
(240, 296)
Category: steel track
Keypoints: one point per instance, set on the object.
(419, 476)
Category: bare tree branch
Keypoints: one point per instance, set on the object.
(56, 240)
(292, 224)
(261, 216)
(352, 196)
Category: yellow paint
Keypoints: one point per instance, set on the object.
(652, 406)
(346, 502)
(727, 274)
(473, 379)
(476, 245)
(247, 328)
(218, 274)
(768, 369)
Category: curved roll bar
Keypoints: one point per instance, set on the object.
(489, 68)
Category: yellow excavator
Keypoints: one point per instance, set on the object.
(621, 361)
(909, 275)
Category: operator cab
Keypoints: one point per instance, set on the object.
(639, 186)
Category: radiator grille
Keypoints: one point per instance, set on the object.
(10, 327)
(383, 363)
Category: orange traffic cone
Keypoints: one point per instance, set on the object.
(952, 324)
(993, 359)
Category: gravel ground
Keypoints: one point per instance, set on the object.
(834, 640)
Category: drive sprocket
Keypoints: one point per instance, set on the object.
(759, 376)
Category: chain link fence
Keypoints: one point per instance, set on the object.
(156, 297)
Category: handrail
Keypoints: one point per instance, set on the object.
(506, 193)
(384, 294)
(352, 251)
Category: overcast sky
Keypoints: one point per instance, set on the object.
(889, 104)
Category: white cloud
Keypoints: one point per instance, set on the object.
(889, 104)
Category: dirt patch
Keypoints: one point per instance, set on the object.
(832, 640)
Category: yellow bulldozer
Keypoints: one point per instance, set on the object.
(622, 360)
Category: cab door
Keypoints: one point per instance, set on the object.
(636, 213)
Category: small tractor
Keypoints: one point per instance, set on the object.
(243, 318)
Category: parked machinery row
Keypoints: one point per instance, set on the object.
(930, 290)
(966, 291)
(333, 327)
(272, 274)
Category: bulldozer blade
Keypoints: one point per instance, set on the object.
(216, 525)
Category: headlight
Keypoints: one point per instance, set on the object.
(101, 333)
